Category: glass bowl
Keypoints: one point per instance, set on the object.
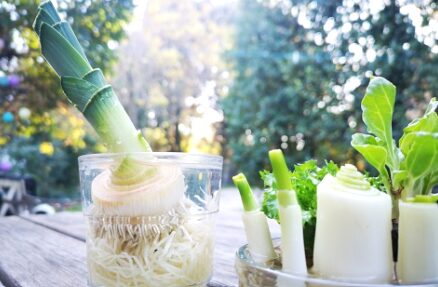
(254, 274)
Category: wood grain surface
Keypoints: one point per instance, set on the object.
(44, 250)
(31, 256)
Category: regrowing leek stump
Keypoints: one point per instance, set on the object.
(161, 232)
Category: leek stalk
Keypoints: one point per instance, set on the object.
(87, 89)
(84, 86)
(417, 256)
(293, 257)
(139, 229)
(353, 229)
(255, 223)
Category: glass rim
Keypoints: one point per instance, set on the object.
(181, 158)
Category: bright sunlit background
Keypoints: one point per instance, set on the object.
(235, 78)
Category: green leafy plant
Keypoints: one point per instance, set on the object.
(411, 169)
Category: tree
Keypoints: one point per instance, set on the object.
(396, 40)
(278, 98)
(97, 24)
(300, 71)
(172, 72)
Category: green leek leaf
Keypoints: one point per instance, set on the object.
(247, 196)
(78, 91)
(84, 86)
(96, 77)
(42, 17)
(105, 94)
(65, 29)
(61, 55)
(131, 171)
(50, 9)
(110, 120)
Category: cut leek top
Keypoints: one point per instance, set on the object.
(285, 194)
(84, 86)
(248, 199)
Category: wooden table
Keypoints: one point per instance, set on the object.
(46, 251)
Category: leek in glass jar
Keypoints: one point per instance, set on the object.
(124, 247)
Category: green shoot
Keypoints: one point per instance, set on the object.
(286, 196)
(248, 200)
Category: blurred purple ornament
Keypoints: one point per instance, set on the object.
(5, 165)
(8, 117)
(14, 81)
(2, 44)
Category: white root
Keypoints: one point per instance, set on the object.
(151, 254)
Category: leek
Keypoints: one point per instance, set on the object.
(353, 229)
(125, 246)
(418, 235)
(87, 89)
(255, 223)
(293, 257)
(84, 86)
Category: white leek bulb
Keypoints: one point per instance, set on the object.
(418, 238)
(258, 236)
(255, 223)
(353, 229)
(157, 193)
(292, 244)
(293, 257)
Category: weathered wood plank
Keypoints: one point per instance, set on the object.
(34, 256)
(227, 241)
(229, 234)
(22, 273)
(72, 224)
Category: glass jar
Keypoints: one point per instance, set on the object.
(150, 217)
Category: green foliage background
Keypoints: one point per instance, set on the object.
(301, 68)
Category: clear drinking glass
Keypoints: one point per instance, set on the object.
(254, 274)
(152, 231)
